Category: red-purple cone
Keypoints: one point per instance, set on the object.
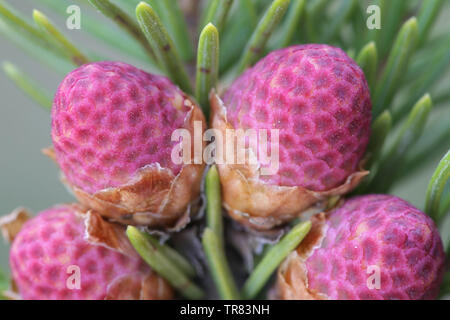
(372, 247)
(65, 253)
(111, 129)
(318, 99)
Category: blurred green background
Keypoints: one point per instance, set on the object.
(30, 179)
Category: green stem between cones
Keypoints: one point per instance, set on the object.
(255, 46)
(214, 202)
(212, 239)
(207, 65)
(54, 35)
(27, 85)
(273, 258)
(218, 265)
(162, 45)
(436, 188)
(163, 266)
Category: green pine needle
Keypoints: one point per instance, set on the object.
(116, 38)
(212, 239)
(262, 33)
(24, 33)
(315, 9)
(380, 129)
(436, 188)
(4, 284)
(214, 203)
(218, 266)
(235, 36)
(162, 45)
(173, 256)
(27, 85)
(428, 79)
(427, 16)
(162, 265)
(396, 67)
(408, 135)
(122, 19)
(207, 65)
(272, 259)
(172, 18)
(54, 35)
(392, 16)
(367, 59)
(429, 146)
(217, 13)
(285, 34)
(36, 51)
(341, 15)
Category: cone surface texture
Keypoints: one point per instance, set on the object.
(51, 251)
(110, 119)
(372, 247)
(319, 100)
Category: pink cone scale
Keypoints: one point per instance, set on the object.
(109, 119)
(111, 130)
(319, 100)
(367, 237)
(49, 248)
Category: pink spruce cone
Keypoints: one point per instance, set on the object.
(46, 252)
(319, 100)
(368, 236)
(111, 130)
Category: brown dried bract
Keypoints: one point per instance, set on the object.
(257, 204)
(138, 287)
(12, 223)
(154, 197)
(292, 279)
